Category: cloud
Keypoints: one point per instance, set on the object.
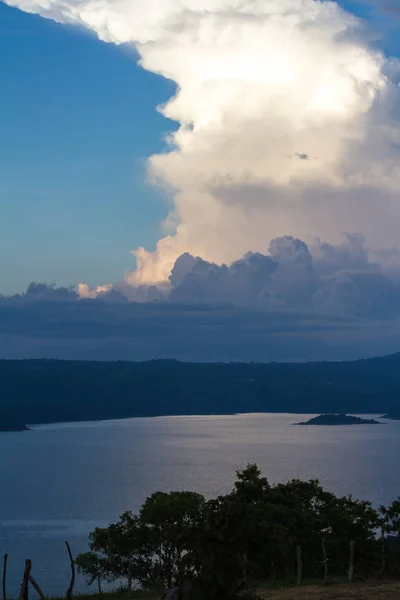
(334, 280)
(42, 292)
(316, 301)
(86, 292)
(322, 278)
(96, 330)
(288, 122)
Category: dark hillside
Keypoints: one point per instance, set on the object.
(48, 390)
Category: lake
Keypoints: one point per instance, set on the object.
(58, 482)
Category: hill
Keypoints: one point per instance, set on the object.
(42, 391)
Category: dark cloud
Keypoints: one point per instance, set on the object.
(299, 302)
(323, 278)
(93, 330)
(42, 291)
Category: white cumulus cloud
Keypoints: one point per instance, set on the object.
(288, 121)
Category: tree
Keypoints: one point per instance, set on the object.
(249, 484)
(223, 546)
(93, 567)
(168, 520)
(148, 547)
(323, 524)
(389, 523)
(117, 551)
(233, 544)
(391, 517)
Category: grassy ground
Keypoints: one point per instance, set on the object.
(117, 595)
(357, 591)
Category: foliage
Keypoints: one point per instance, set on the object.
(93, 566)
(390, 517)
(220, 548)
(147, 548)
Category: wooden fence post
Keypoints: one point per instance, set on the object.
(5, 558)
(383, 553)
(72, 581)
(325, 561)
(273, 573)
(351, 561)
(129, 581)
(23, 595)
(299, 566)
(99, 584)
(37, 587)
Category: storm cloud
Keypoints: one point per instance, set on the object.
(314, 301)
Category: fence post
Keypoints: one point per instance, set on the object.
(37, 587)
(383, 553)
(72, 581)
(273, 573)
(129, 580)
(351, 561)
(23, 595)
(5, 558)
(299, 566)
(325, 561)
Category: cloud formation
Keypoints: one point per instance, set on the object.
(97, 330)
(288, 122)
(298, 302)
(344, 280)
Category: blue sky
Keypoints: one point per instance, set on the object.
(77, 121)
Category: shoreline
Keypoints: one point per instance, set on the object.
(35, 426)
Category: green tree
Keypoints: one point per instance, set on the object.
(224, 546)
(123, 549)
(93, 567)
(168, 519)
(391, 516)
(233, 545)
(318, 518)
(149, 547)
(389, 523)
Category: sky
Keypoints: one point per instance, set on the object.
(145, 150)
(77, 122)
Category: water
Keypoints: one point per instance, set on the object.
(58, 482)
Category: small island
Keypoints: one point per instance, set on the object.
(334, 419)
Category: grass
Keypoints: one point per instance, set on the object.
(120, 594)
(311, 589)
(307, 582)
(371, 590)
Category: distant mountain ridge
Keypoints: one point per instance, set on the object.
(43, 391)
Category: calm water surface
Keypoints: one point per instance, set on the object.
(58, 482)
